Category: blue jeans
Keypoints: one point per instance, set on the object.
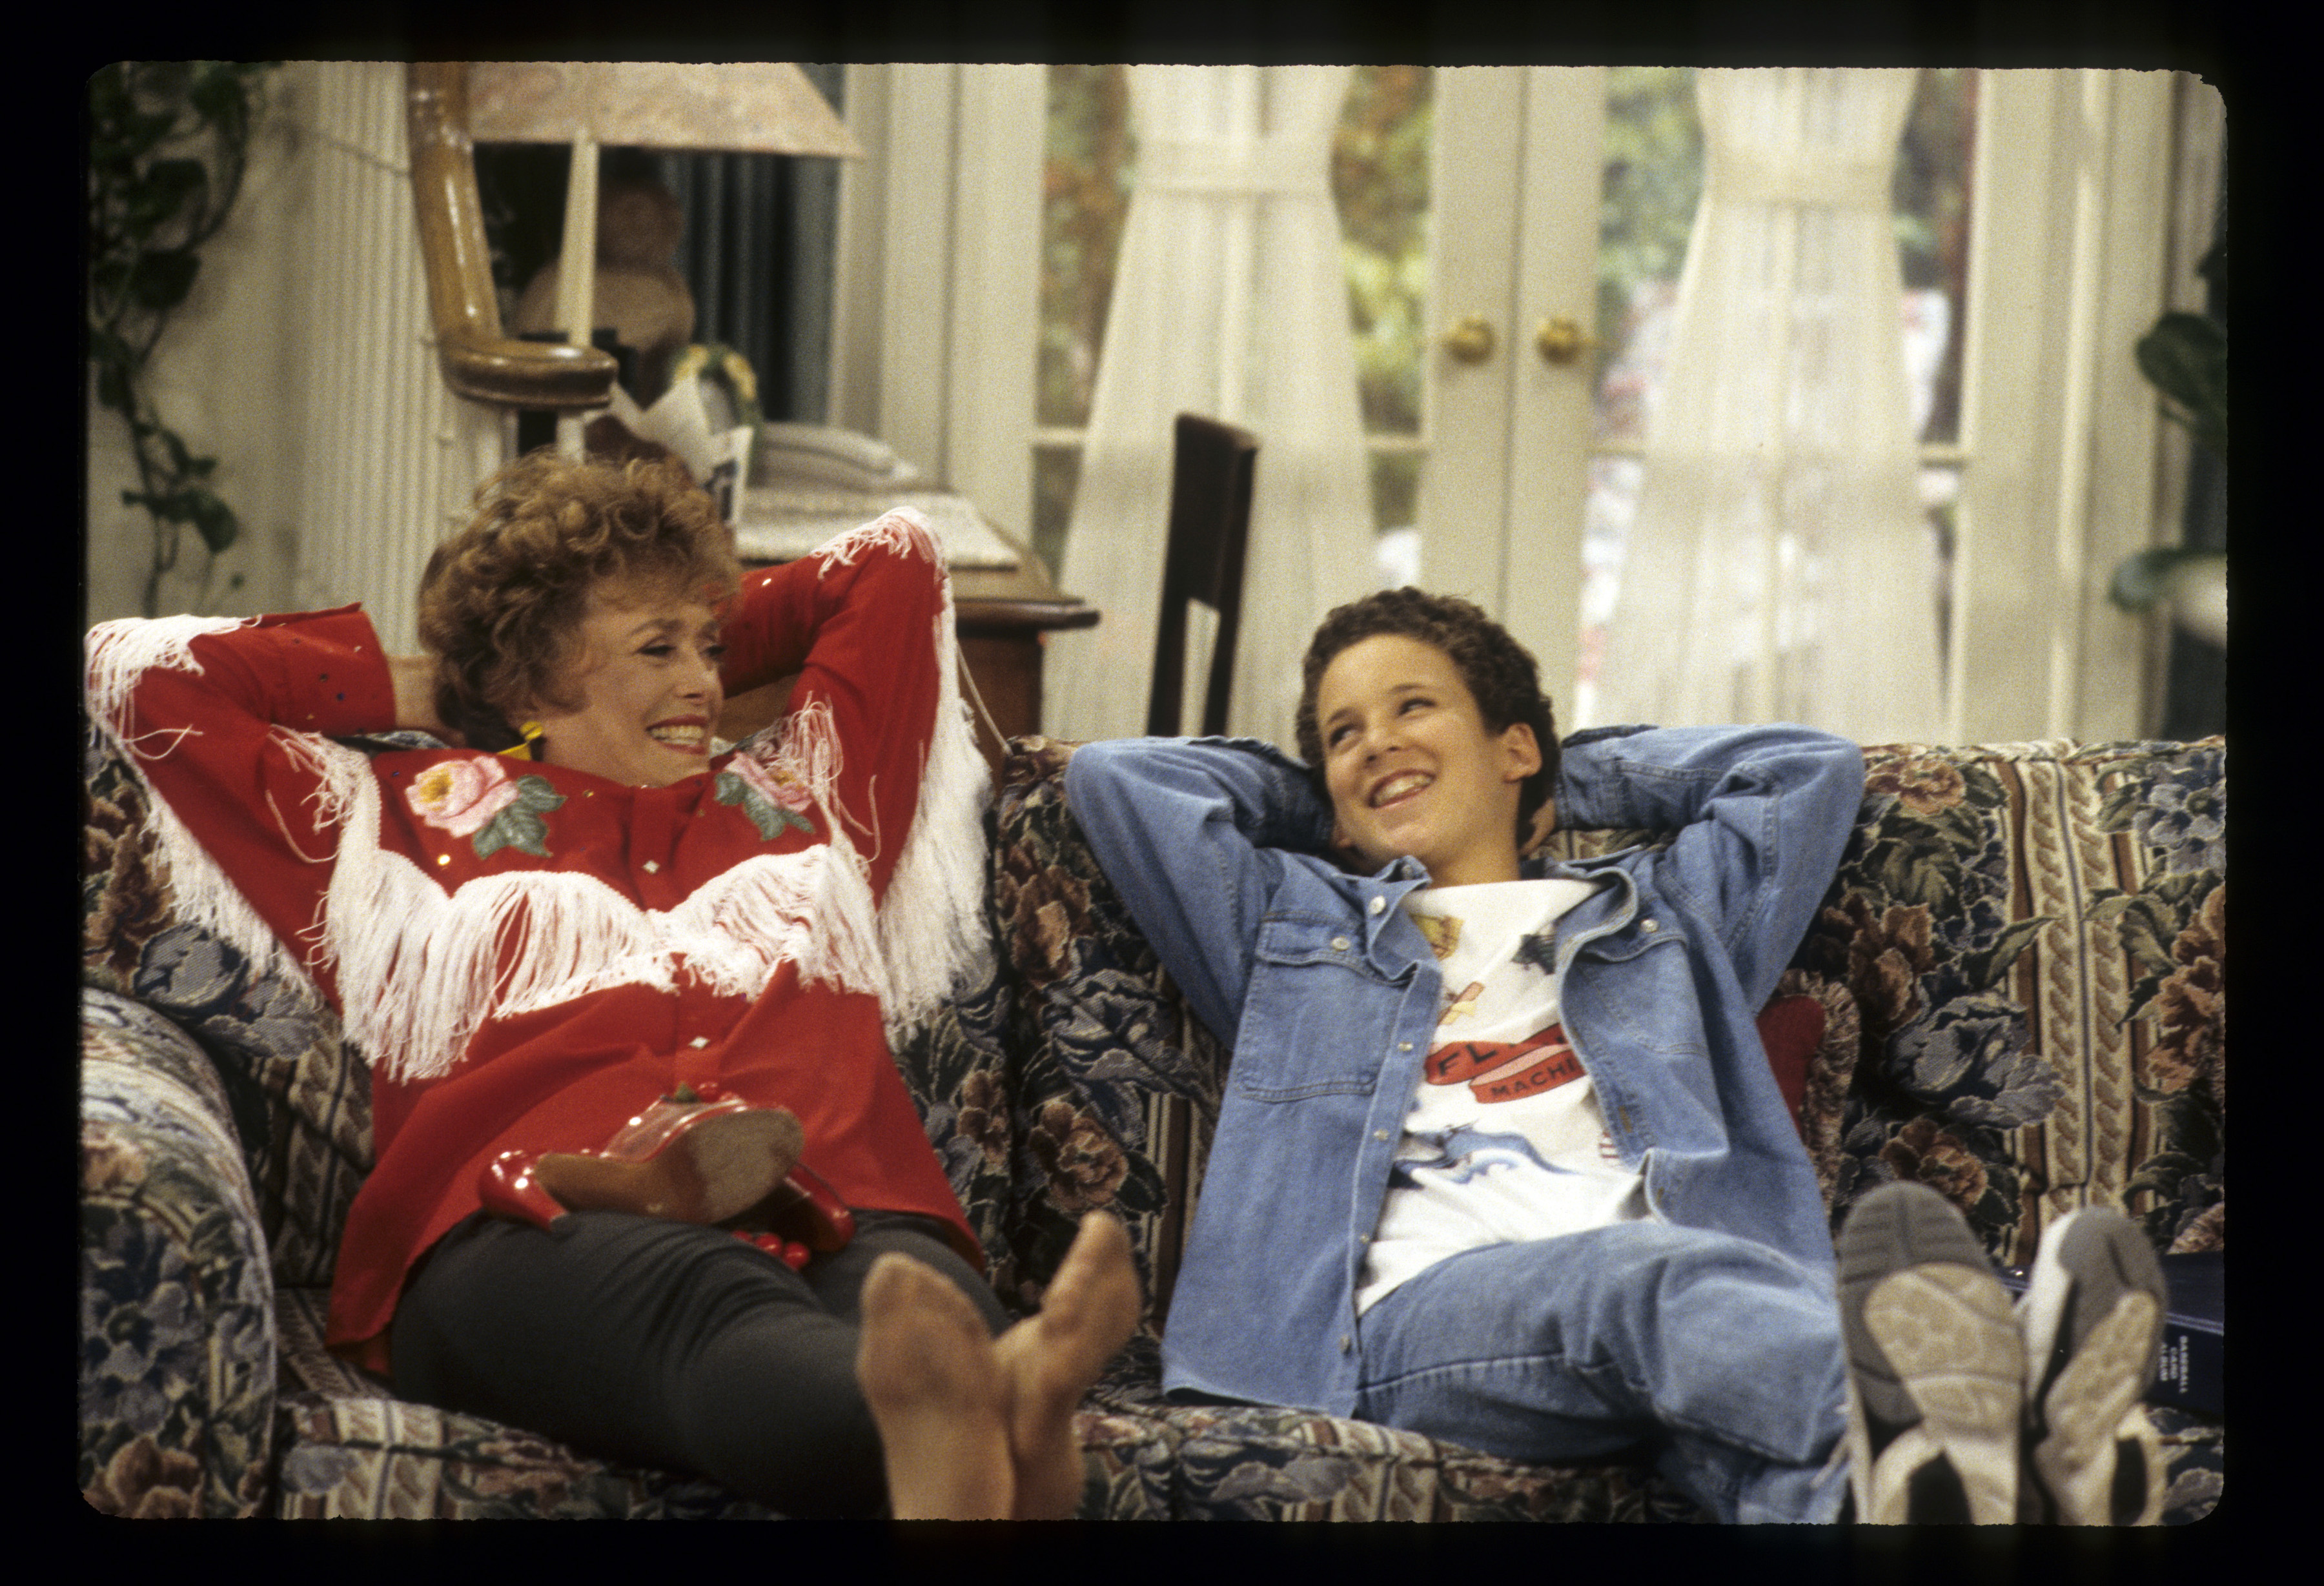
(1720, 1356)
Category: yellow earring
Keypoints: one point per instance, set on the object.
(523, 749)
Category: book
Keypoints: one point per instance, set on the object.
(2191, 1373)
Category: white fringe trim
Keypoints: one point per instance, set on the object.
(420, 969)
(116, 655)
(931, 922)
(930, 925)
(902, 529)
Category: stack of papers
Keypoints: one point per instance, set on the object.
(783, 522)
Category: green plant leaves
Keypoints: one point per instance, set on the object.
(162, 279)
(221, 94)
(161, 191)
(168, 142)
(203, 507)
(2185, 355)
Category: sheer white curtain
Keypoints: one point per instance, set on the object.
(1780, 568)
(1231, 301)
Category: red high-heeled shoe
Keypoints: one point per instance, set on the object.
(809, 1210)
(684, 1158)
(788, 1251)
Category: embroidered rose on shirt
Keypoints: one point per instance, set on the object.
(458, 796)
(771, 797)
(476, 799)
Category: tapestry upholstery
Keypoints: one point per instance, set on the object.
(2021, 969)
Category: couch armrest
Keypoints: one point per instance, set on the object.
(178, 1340)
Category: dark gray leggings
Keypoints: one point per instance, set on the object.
(666, 1345)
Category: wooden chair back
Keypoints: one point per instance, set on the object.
(1212, 470)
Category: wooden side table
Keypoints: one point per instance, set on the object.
(1002, 618)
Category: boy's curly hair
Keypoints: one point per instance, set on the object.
(502, 603)
(1501, 673)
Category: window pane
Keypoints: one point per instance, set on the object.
(1379, 175)
(1653, 184)
(1931, 198)
(1057, 471)
(1086, 178)
(1653, 175)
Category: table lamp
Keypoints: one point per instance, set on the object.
(756, 108)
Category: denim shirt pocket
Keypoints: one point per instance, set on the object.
(1318, 1014)
(1658, 1007)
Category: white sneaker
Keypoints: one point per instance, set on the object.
(2092, 1316)
(1936, 1366)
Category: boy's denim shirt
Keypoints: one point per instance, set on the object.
(1328, 994)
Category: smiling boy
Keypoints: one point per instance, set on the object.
(1499, 1157)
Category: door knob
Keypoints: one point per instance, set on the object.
(1471, 340)
(1561, 340)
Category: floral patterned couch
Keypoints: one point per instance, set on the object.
(2020, 970)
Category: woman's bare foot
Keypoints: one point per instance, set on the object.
(926, 1363)
(977, 1428)
(1048, 1361)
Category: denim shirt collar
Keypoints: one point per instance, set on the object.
(1608, 908)
(1387, 887)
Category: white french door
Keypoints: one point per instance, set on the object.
(1513, 245)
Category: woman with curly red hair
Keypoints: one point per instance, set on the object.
(647, 1179)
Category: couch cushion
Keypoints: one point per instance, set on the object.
(1150, 1460)
(1067, 1076)
(177, 1344)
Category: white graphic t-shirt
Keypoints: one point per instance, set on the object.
(1504, 1140)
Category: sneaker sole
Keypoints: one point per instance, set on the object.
(2093, 1322)
(1949, 1336)
(1935, 1354)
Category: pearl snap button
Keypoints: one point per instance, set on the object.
(1379, 1134)
(1647, 924)
(649, 867)
(1346, 1343)
(1339, 943)
(698, 1042)
(1378, 904)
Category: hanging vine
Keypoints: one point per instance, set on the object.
(167, 144)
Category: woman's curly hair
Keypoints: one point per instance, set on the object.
(1501, 673)
(502, 603)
